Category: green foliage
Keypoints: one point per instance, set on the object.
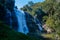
(53, 14)
(30, 3)
(52, 10)
(45, 18)
(50, 22)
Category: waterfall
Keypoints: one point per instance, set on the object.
(21, 21)
(38, 23)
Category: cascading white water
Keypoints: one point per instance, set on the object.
(38, 23)
(21, 21)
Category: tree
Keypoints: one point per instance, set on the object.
(30, 3)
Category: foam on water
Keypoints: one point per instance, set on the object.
(21, 21)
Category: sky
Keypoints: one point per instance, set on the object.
(21, 3)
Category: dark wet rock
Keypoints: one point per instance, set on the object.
(7, 14)
(14, 21)
(30, 23)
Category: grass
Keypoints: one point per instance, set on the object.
(52, 36)
(48, 35)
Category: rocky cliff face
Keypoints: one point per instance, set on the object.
(8, 4)
(33, 27)
(7, 14)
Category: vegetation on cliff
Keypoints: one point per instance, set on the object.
(48, 12)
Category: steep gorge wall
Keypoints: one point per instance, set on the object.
(7, 14)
